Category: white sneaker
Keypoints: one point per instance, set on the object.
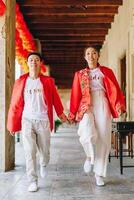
(99, 180)
(87, 166)
(43, 171)
(33, 187)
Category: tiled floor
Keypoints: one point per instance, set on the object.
(66, 179)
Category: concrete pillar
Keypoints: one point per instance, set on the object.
(7, 73)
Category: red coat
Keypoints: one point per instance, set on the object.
(80, 95)
(17, 102)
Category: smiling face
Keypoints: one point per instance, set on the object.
(91, 56)
(34, 63)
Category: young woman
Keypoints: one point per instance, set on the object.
(95, 98)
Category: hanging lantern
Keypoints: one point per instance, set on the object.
(24, 42)
(2, 8)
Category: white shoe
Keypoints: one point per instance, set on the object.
(99, 180)
(43, 171)
(87, 166)
(33, 187)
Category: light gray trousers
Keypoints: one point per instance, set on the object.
(35, 137)
(95, 132)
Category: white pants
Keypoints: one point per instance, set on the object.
(35, 136)
(95, 132)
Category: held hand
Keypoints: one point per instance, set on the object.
(63, 118)
(12, 133)
(71, 121)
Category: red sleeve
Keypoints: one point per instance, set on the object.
(116, 94)
(56, 100)
(120, 104)
(15, 109)
(76, 96)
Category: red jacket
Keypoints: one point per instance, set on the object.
(80, 95)
(51, 98)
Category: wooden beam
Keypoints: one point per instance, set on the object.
(53, 50)
(64, 50)
(60, 63)
(69, 45)
(63, 54)
(63, 15)
(68, 65)
(70, 19)
(62, 57)
(72, 43)
(70, 2)
(58, 9)
(62, 32)
(50, 60)
(70, 38)
(45, 25)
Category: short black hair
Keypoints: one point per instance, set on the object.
(35, 53)
(97, 48)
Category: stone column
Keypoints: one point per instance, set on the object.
(7, 73)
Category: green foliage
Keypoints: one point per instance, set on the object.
(57, 124)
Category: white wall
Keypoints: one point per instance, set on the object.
(118, 42)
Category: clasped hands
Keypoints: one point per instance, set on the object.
(65, 119)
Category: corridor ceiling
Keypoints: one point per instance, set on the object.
(65, 28)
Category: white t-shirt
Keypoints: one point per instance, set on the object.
(96, 79)
(34, 104)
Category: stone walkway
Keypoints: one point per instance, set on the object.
(66, 179)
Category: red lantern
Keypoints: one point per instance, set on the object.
(2, 8)
(24, 33)
(24, 41)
